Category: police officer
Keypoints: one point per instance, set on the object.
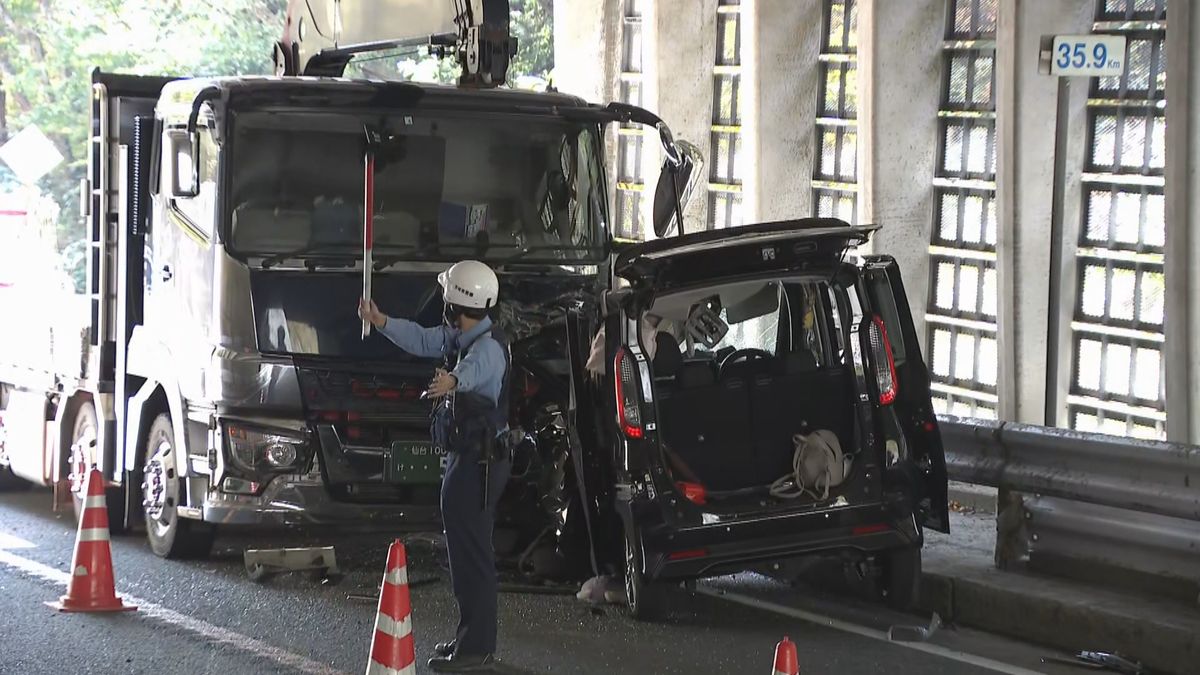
(470, 421)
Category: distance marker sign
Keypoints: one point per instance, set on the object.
(1088, 55)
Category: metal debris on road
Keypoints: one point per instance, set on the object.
(1111, 662)
(901, 633)
(261, 563)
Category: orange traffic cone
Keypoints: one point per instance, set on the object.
(392, 650)
(91, 588)
(785, 658)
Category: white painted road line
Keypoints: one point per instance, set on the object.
(10, 541)
(856, 629)
(202, 628)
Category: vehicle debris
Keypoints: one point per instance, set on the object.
(1092, 660)
(903, 633)
(262, 563)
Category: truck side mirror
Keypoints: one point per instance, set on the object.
(676, 183)
(185, 162)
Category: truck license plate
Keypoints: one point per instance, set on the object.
(415, 462)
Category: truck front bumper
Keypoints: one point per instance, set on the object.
(295, 500)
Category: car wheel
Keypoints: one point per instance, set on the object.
(647, 600)
(170, 535)
(901, 577)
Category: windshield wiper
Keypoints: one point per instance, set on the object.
(383, 262)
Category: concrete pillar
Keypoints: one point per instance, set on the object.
(1182, 351)
(1026, 105)
(900, 74)
(678, 84)
(587, 59)
(781, 80)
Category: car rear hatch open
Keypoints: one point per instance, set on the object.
(727, 411)
(813, 246)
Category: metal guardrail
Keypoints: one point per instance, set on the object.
(1124, 473)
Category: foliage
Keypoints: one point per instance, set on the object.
(48, 49)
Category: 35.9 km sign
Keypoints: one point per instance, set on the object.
(1088, 55)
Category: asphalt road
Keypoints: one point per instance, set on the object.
(209, 617)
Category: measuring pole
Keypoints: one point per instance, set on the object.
(368, 229)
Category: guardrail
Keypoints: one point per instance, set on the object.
(1125, 473)
(1104, 501)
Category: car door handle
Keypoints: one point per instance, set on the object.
(166, 273)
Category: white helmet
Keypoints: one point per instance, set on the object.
(470, 284)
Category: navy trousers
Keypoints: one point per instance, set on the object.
(469, 545)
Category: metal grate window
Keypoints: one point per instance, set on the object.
(961, 313)
(630, 139)
(1117, 366)
(725, 165)
(835, 171)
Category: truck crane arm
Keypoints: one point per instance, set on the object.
(322, 36)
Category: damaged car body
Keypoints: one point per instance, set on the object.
(780, 409)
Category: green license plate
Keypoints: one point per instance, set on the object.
(415, 462)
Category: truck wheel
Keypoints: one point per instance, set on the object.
(84, 455)
(901, 577)
(170, 535)
(9, 482)
(647, 600)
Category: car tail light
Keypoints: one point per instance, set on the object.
(694, 492)
(885, 365)
(629, 412)
(690, 554)
(869, 529)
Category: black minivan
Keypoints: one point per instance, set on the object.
(771, 402)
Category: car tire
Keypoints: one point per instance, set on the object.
(901, 577)
(170, 535)
(647, 601)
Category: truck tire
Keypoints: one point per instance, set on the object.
(170, 535)
(83, 455)
(901, 577)
(647, 600)
(9, 482)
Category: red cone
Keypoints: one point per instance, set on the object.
(91, 588)
(392, 649)
(785, 658)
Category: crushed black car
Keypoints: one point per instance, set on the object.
(769, 401)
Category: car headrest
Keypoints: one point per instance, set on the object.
(696, 374)
(668, 357)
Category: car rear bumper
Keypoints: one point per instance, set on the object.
(733, 546)
(302, 500)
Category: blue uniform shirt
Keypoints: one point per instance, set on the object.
(482, 369)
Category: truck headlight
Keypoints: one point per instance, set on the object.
(263, 450)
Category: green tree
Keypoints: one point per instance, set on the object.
(48, 49)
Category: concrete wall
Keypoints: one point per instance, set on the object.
(786, 37)
(680, 55)
(900, 54)
(1026, 105)
(900, 74)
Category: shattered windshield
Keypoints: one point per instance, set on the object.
(446, 187)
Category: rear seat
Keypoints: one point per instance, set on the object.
(709, 424)
(799, 397)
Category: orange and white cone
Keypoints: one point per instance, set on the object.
(392, 648)
(786, 662)
(91, 587)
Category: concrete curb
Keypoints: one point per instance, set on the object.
(1163, 635)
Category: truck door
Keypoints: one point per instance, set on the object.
(912, 404)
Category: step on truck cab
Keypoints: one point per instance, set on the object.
(771, 402)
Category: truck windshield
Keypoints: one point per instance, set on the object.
(446, 187)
